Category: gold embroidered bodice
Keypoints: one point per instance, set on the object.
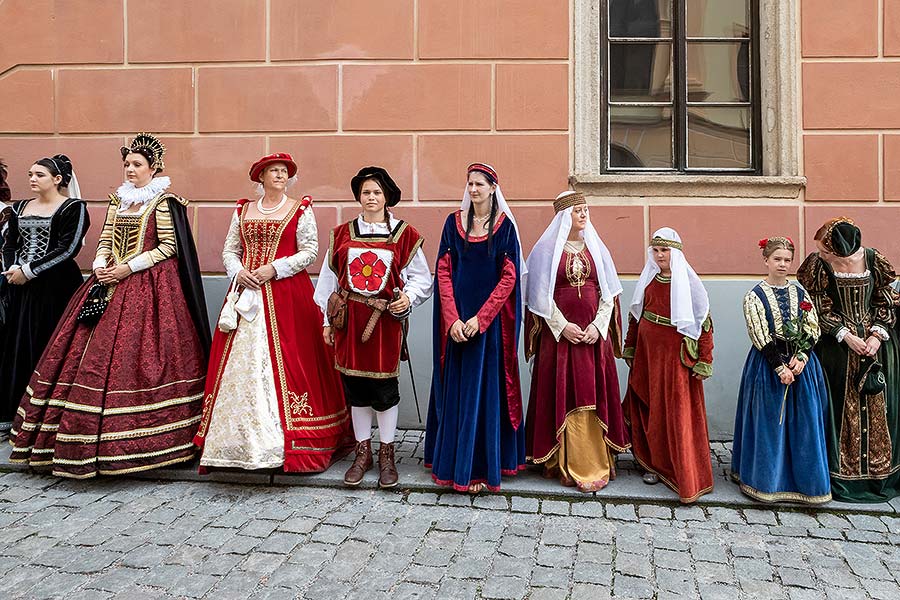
(142, 238)
(128, 236)
(854, 291)
(261, 238)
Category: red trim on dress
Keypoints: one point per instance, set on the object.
(473, 238)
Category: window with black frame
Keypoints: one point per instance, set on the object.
(680, 86)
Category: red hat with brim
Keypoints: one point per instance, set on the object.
(278, 157)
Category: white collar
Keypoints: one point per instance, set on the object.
(131, 196)
(366, 226)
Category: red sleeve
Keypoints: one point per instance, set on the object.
(489, 310)
(630, 337)
(449, 314)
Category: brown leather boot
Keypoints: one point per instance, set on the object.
(361, 464)
(388, 477)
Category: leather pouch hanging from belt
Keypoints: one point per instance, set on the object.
(336, 309)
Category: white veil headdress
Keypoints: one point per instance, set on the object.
(503, 207)
(689, 299)
(547, 252)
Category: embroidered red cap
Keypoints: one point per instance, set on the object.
(277, 157)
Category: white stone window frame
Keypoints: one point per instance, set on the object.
(780, 98)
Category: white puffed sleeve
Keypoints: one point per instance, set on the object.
(307, 247)
(233, 250)
(418, 284)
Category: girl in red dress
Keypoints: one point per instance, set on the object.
(669, 349)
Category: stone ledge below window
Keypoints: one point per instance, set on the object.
(701, 186)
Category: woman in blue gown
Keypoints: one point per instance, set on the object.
(474, 433)
(779, 452)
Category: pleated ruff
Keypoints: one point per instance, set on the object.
(33, 313)
(119, 397)
(785, 461)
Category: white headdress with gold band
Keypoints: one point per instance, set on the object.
(547, 252)
(689, 299)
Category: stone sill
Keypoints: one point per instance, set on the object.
(697, 186)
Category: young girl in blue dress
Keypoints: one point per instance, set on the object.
(779, 451)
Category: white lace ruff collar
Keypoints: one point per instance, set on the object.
(132, 196)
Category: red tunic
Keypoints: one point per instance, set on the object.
(370, 265)
(571, 377)
(311, 404)
(664, 403)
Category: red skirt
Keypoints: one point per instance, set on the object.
(122, 396)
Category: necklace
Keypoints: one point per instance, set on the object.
(269, 211)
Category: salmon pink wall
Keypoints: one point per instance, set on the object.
(851, 116)
(422, 87)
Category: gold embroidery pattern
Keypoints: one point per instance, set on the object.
(300, 404)
(578, 269)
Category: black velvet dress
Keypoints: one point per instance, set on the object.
(45, 248)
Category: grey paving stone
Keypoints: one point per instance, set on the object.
(504, 588)
(881, 590)
(92, 561)
(554, 507)
(454, 589)
(525, 505)
(794, 577)
(596, 573)
(632, 564)
(587, 509)
(116, 579)
(422, 498)
(632, 587)
(649, 511)
(559, 537)
(668, 580)
(621, 512)
(670, 559)
(554, 577)
(491, 502)
(758, 516)
(689, 513)
(589, 592)
(867, 523)
(194, 585)
(594, 553)
(258, 528)
(57, 585)
(220, 564)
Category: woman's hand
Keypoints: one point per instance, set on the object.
(16, 277)
(573, 333)
(456, 331)
(248, 280)
(591, 335)
(696, 375)
(120, 272)
(796, 365)
(856, 344)
(399, 305)
(328, 335)
(264, 273)
(104, 275)
(471, 327)
(786, 376)
(873, 345)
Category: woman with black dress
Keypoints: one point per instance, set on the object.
(44, 235)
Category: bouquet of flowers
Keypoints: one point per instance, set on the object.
(798, 341)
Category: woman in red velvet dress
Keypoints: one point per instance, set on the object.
(669, 349)
(124, 394)
(272, 398)
(574, 426)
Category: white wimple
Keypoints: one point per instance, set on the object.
(129, 195)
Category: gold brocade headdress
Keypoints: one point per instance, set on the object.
(827, 235)
(658, 241)
(568, 200)
(149, 146)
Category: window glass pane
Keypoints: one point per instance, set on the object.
(640, 137)
(718, 71)
(719, 138)
(718, 18)
(640, 72)
(640, 18)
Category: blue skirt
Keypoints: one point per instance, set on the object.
(787, 461)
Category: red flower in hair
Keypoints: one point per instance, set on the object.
(367, 271)
(806, 306)
(763, 242)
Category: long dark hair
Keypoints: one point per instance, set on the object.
(470, 219)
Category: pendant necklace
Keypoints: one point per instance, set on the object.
(269, 211)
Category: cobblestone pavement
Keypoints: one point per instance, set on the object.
(134, 539)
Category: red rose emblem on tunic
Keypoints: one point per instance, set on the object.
(367, 271)
(806, 306)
